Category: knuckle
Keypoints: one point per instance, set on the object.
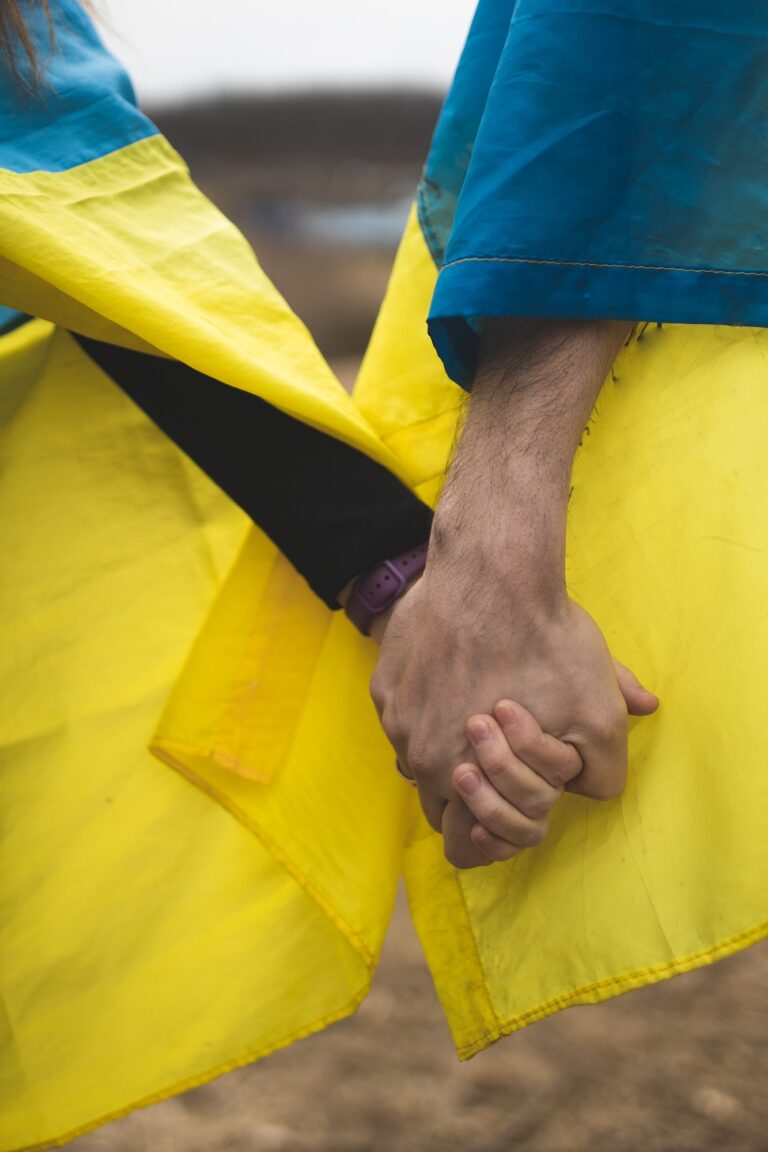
(378, 691)
(419, 761)
(392, 725)
(460, 858)
(494, 764)
(529, 743)
(608, 789)
(377, 695)
(608, 726)
(434, 818)
(561, 774)
(601, 731)
(537, 805)
(500, 852)
(489, 810)
(533, 835)
(606, 783)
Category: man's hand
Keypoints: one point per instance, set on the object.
(490, 619)
(444, 659)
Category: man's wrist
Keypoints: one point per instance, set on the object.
(517, 565)
(509, 529)
(502, 515)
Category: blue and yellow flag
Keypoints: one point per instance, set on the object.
(170, 914)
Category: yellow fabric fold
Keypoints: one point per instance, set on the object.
(127, 244)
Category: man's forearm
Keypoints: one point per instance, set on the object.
(507, 488)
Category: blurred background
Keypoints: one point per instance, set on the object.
(307, 122)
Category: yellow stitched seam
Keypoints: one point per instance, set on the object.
(280, 855)
(200, 1078)
(613, 985)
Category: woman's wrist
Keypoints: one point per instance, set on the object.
(380, 622)
(374, 593)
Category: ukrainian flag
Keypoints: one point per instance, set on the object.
(203, 829)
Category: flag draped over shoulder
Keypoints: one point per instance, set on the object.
(601, 159)
(162, 926)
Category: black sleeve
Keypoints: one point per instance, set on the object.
(330, 509)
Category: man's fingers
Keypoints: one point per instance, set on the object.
(494, 812)
(605, 767)
(431, 803)
(514, 780)
(458, 845)
(639, 701)
(552, 759)
(433, 808)
(605, 760)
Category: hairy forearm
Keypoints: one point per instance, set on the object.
(508, 484)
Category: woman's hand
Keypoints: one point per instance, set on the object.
(520, 775)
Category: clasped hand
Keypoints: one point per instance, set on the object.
(496, 690)
(496, 707)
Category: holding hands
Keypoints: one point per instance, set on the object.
(489, 783)
(496, 690)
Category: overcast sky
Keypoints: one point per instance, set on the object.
(177, 48)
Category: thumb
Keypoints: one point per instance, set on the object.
(639, 701)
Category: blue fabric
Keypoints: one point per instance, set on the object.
(601, 158)
(85, 108)
(10, 319)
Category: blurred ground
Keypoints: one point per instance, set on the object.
(680, 1067)
(321, 187)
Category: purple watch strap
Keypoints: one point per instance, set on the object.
(377, 590)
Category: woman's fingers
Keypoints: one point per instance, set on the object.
(522, 771)
(495, 813)
(554, 761)
(514, 779)
(519, 777)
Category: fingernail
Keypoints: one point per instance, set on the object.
(469, 782)
(506, 712)
(480, 833)
(478, 731)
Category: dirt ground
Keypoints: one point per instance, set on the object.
(681, 1067)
